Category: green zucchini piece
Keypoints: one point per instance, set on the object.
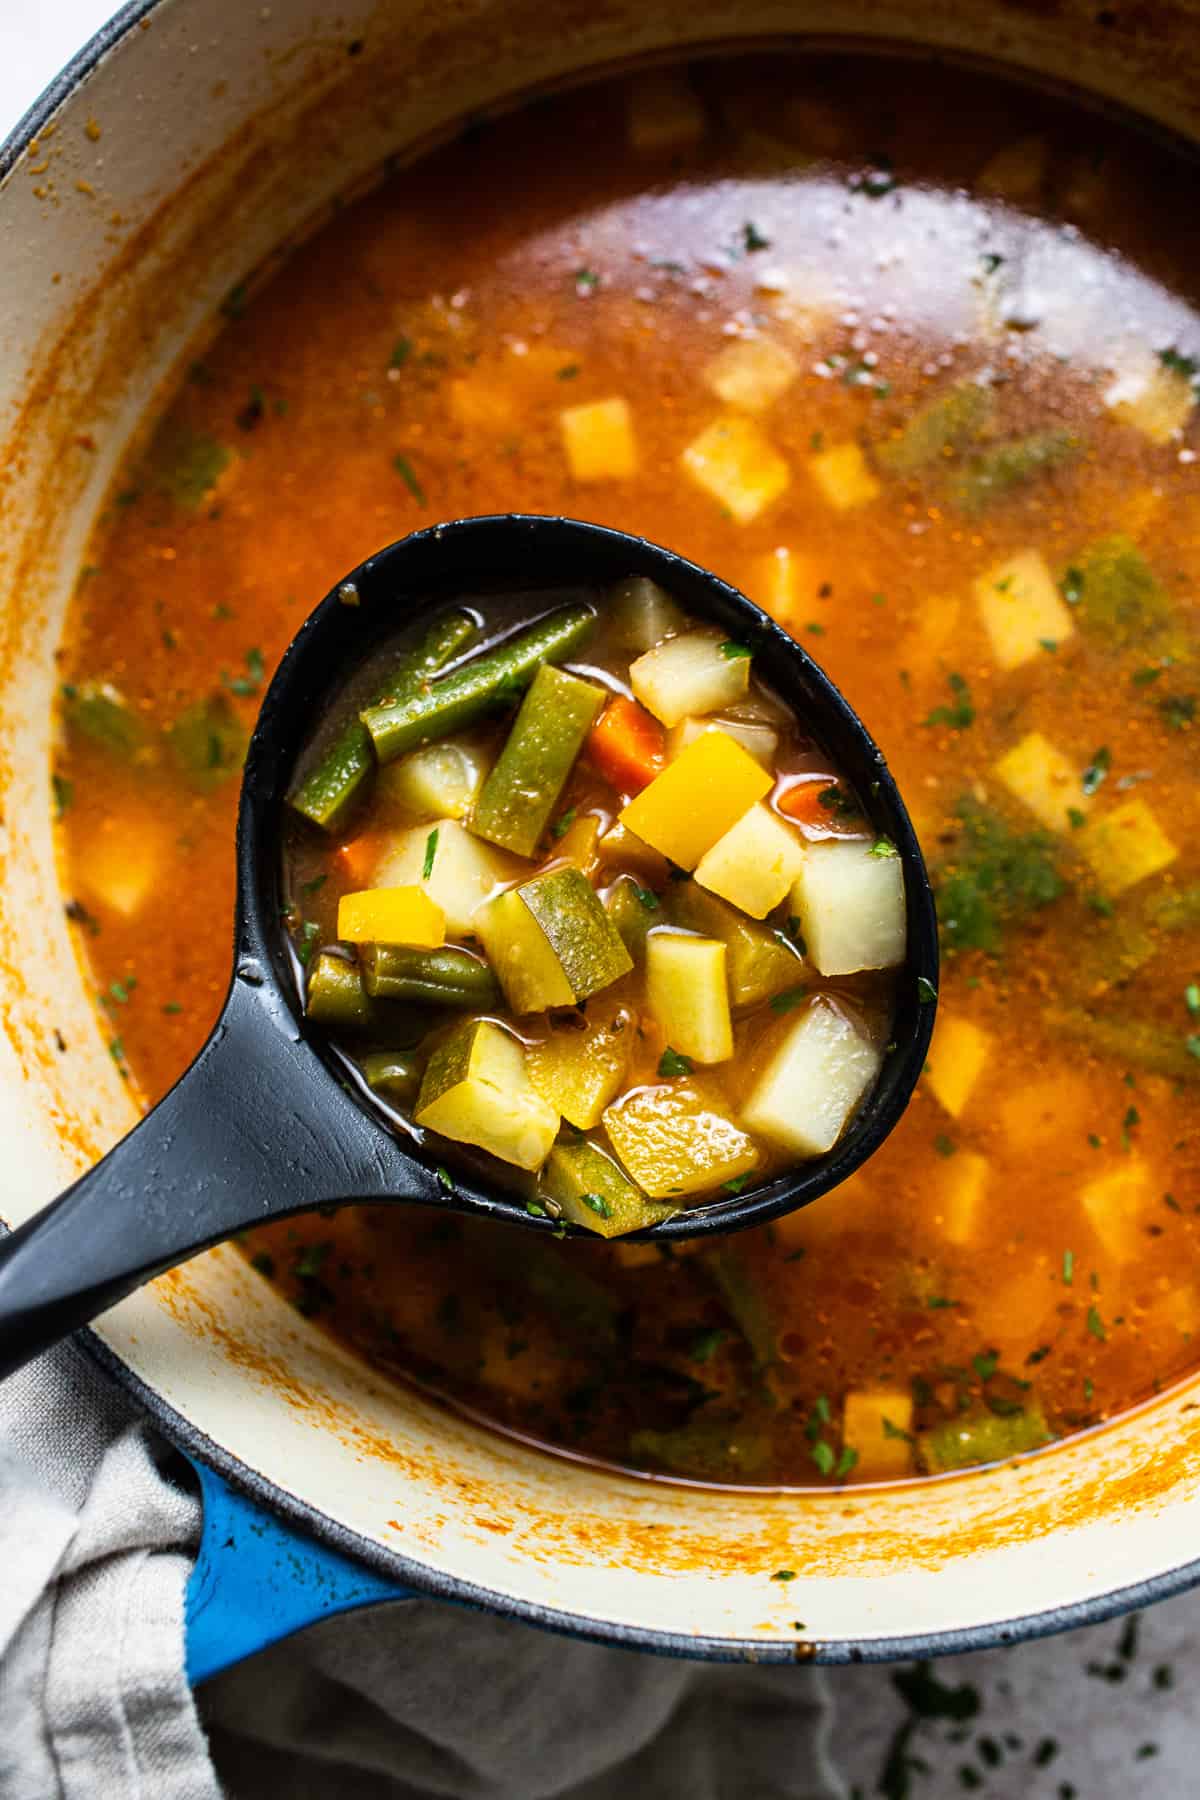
(984, 1437)
(593, 1192)
(996, 471)
(446, 977)
(186, 465)
(744, 1302)
(531, 771)
(99, 711)
(551, 942)
(396, 1074)
(208, 742)
(943, 424)
(1132, 1042)
(709, 1449)
(334, 995)
(632, 916)
(760, 962)
(476, 1090)
(1122, 602)
(640, 614)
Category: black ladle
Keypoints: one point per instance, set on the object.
(263, 1124)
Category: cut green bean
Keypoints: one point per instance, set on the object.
(435, 977)
(483, 685)
(985, 1438)
(531, 771)
(1132, 1042)
(1000, 468)
(101, 712)
(714, 1449)
(335, 993)
(942, 425)
(208, 742)
(327, 793)
(396, 1074)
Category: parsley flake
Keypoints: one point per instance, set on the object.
(671, 1063)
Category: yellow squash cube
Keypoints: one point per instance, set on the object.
(751, 373)
(877, 1424)
(760, 740)
(688, 993)
(697, 798)
(1044, 780)
(580, 1070)
(1022, 609)
(734, 462)
(396, 915)
(1126, 845)
(956, 1058)
(959, 1197)
(476, 1090)
(754, 864)
(844, 476)
(678, 1140)
(1118, 1205)
(599, 441)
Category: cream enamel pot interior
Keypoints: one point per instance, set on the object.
(186, 144)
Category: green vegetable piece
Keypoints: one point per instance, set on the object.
(709, 1449)
(396, 1074)
(328, 791)
(586, 1311)
(994, 878)
(995, 472)
(985, 1437)
(486, 684)
(531, 771)
(1130, 1041)
(1122, 602)
(1175, 911)
(186, 465)
(592, 1191)
(208, 742)
(633, 919)
(335, 996)
(744, 1302)
(641, 614)
(446, 977)
(101, 712)
(759, 962)
(551, 942)
(942, 425)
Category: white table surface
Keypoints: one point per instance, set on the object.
(1100, 1709)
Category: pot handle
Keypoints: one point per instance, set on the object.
(256, 1580)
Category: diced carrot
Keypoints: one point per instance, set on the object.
(802, 803)
(359, 857)
(627, 745)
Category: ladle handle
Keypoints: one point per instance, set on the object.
(256, 1128)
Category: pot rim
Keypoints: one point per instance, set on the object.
(392, 1564)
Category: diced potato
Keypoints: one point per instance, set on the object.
(877, 1424)
(464, 872)
(754, 865)
(440, 781)
(734, 462)
(1126, 845)
(664, 113)
(689, 674)
(761, 962)
(688, 995)
(1044, 780)
(477, 1091)
(1017, 172)
(844, 476)
(697, 798)
(813, 1083)
(785, 584)
(751, 373)
(398, 915)
(599, 441)
(761, 740)
(679, 1139)
(623, 848)
(1118, 1206)
(955, 1061)
(579, 1068)
(119, 862)
(593, 1192)
(1022, 609)
(959, 1196)
(1154, 399)
(1057, 1104)
(850, 904)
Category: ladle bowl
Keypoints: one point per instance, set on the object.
(264, 1123)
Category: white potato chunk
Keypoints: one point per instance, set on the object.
(688, 992)
(844, 476)
(465, 871)
(956, 1058)
(754, 864)
(1118, 1205)
(813, 1083)
(121, 862)
(737, 464)
(1022, 609)
(1153, 398)
(751, 373)
(959, 1196)
(440, 781)
(877, 1426)
(761, 740)
(664, 113)
(850, 904)
(1126, 845)
(1044, 780)
(689, 674)
(599, 441)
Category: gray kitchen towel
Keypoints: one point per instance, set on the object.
(417, 1701)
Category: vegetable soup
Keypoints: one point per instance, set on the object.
(907, 352)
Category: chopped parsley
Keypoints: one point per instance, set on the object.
(790, 998)
(568, 372)
(560, 827)
(306, 942)
(926, 992)
(407, 474)
(1071, 586)
(244, 686)
(1191, 997)
(960, 712)
(945, 1146)
(882, 847)
(647, 898)
(1177, 710)
(431, 847)
(752, 237)
(64, 792)
(839, 802)
(784, 1575)
(1178, 364)
(586, 282)
(598, 1204)
(1095, 1323)
(735, 1184)
(994, 877)
(705, 1344)
(733, 651)
(671, 1063)
(822, 1455)
(1068, 1269)
(401, 351)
